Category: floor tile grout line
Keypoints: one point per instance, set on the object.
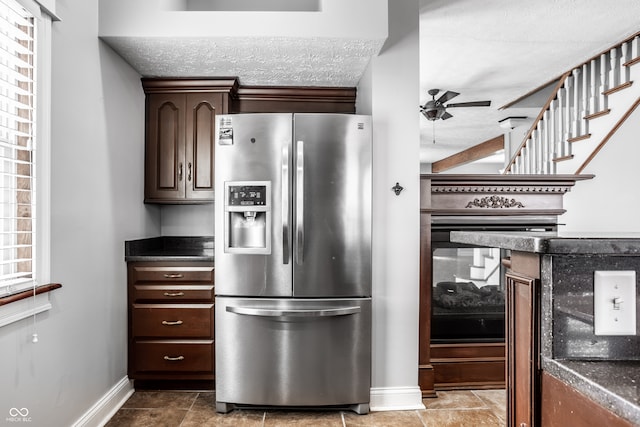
(190, 408)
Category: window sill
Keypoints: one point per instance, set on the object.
(24, 304)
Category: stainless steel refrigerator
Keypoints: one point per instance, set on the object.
(293, 260)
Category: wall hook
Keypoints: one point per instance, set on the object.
(397, 188)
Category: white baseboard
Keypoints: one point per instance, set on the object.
(396, 398)
(102, 411)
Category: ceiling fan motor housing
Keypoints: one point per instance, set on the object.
(435, 108)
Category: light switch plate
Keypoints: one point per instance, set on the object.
(614, 302)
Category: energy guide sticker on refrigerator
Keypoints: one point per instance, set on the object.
(293, 266)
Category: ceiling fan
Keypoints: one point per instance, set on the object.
(435, 108)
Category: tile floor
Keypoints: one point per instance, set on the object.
(188, 409)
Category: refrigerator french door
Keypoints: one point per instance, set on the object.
(293, 260)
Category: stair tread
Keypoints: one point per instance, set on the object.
(617, 88)
(580, 137)
(597, 114)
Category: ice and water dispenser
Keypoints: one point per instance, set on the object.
(247, 219)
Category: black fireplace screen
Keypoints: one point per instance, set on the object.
(468, 294)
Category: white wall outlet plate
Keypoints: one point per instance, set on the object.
(614, 302)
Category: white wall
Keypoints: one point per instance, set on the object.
(97, 192)
(610, 202)
(390, 91)
(187, 220)
(140, 18)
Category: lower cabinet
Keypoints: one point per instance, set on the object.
(564, 406)
(171, 321)
(523, 340)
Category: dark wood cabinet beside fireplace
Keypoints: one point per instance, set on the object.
(464, 288)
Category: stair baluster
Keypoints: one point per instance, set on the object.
(614, 75)
(593, 87)
(602, 98)
(575, 108)
(623, 69)
(560, 123)
(584, 123)
(567, 114)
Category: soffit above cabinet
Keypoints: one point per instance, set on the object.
(328, 47)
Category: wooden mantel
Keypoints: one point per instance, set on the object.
(487, 199)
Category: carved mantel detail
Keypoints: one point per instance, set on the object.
(494, 202)
(498, 189)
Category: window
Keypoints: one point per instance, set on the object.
(23, 160)
(17, 147)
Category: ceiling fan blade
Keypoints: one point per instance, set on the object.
(446, 116)
(447, 96)
(470, 104)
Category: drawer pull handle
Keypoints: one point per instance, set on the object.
(174, 294)
(173, 275)
(174, 359)
(172, 322)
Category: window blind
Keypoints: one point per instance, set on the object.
(17, 148)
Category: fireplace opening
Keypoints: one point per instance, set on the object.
(468, 286)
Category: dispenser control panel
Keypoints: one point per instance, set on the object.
(247, 217)
(247, 195)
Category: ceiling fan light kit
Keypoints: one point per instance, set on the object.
(435, 109)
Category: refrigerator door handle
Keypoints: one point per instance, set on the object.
(266, 312)
(299, 228)
(286, 250)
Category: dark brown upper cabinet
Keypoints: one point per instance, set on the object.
(180, 139)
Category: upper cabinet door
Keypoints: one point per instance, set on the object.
(180, 124)
(165, 147)
(201, 112)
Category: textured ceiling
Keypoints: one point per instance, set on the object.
(283, 61)
(497, 50)
(500, 50)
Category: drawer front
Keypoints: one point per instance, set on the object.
(174, 356)
(172, 320)
(161, 273)
(171, 293)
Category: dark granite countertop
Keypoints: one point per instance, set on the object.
(548, 242)
(170, 248)
(613, 384)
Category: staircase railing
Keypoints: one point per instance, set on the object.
(580, 95)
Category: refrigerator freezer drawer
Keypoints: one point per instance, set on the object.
(293, 352)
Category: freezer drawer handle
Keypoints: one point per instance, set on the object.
(265, 312)
(172, 322)
(174, 359)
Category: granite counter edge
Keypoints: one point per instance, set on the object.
(598, 393)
